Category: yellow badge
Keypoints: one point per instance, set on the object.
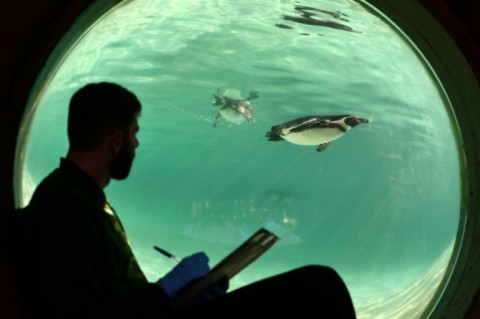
(107, 208)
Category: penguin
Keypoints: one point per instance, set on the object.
(318, 130)
(233, 108)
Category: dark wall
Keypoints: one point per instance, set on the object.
(461, 20)
(29, 31)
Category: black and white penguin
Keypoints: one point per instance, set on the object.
(233, 108)
(318, 130)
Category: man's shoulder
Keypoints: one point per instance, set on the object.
(56, 188)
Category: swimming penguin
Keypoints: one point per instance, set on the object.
(233, 108)
(318, 130)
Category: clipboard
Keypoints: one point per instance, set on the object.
(236, 261)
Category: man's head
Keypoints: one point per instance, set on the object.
(101, 111)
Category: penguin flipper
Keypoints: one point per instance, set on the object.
(312, 122)
(322, 147)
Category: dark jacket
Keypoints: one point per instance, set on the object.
(72, 256)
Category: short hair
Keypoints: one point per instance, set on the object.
(98, 109)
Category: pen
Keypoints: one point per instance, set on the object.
(166, 253)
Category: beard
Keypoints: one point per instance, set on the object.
(121, 165)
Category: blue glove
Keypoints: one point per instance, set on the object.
(190, 268)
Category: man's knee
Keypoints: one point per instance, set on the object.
(318, 271)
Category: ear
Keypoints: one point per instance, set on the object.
(116, 141)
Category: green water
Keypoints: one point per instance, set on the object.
(381, 204)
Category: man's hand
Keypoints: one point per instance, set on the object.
(190, 268)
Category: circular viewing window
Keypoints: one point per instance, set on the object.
(381, 203)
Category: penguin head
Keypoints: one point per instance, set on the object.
(353, 121)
